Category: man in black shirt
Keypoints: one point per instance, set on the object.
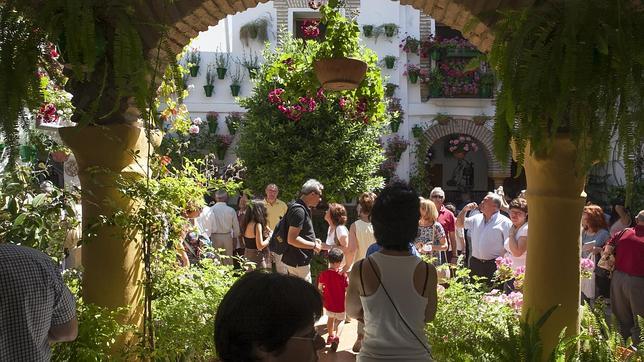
(301, 236)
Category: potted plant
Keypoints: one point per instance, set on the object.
(222, 60)
(396, 113)
(390, 29)
(442, 119)
(367, 30)
(459, 145)
(396, 146)
(390, 89)
(435, 83)
(210, 80)
(194, 58)
(486, 88)
(413, 72)
(256, 30)
(213, 122)
(458, 47)
(251, 63)
(336, 65)
(60, 153)
(431, 47)
(417, 130)
(222, 143)
(233, 121)
(389, 61)
(481, 119)
(410, 45)
(236, 79)
(310, 29)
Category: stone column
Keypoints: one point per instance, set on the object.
(555, 206)
(112, 260)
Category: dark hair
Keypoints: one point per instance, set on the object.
(449, 206)
(255, 212)
(335, 255)
(395, 216)
(519, 203)
(263, 310)
(338, 213)
(366, 201)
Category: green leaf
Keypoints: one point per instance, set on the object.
(38, 200)
(19, 220)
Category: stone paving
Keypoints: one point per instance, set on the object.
(347, 338)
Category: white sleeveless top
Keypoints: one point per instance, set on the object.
(364, 234)
(385, 335)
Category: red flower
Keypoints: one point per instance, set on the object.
(165, 160)
(53, 53)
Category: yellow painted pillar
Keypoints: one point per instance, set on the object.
(555, 205)
(112, 261)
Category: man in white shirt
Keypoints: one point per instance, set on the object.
(488, 231)
(220, 222)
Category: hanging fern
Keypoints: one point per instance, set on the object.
(575, 67)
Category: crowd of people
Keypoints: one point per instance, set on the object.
(382, 270)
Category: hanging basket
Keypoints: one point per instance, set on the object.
(340, 73)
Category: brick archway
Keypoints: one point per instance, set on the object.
(481, 133)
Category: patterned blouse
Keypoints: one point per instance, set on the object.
(430, 234)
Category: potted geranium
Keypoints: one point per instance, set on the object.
(390, 29)
(60, 153)
(459, 145)
(336, 65)
(367, 30)
(396, 113)
(233, 121)
(410, 45)
(194, 58)
(213, 122)
(222, 143)
(251, 63)
(389, 61)
(396, 147)
(413, 72)
(310, 29)
(222, 61)
(210, 80)
(236, 79)
(431, 47)
(390, 89)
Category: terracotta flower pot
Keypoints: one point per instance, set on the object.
(340, 73)
(459, 155)
(59, 156)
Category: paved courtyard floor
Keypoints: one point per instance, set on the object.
(347, 338)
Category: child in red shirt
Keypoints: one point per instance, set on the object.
(333, 284)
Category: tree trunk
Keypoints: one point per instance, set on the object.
(555, 205)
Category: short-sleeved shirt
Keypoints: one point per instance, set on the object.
(340, 230)
(597, 239)
(334, 286)
(517, 261)
(33, 298)
(488, 238)
(374, 248)
(446, 219)
(430, 234)
(300, 217)
(275, 212)
(629, 251)
(221, 219)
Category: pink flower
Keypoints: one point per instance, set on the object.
(342, 103)
(194, 129)
(466, 148)
(53, 52)
(197, 121)
(520, 270)
(456, 142)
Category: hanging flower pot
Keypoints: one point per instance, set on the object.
(394, 126)
(367, 30)
(390, 62)
(435, 54)
(234, 89)
(252, 72)
(417, 131)
(194, 70)
(413, 78)
(221, 73)
(59, 156)
(208, 89)
(340, 73)
(390, 89)
(390, 30)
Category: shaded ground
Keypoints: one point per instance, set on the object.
(347, 338)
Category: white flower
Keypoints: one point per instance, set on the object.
(197, 121)
(194, 129)
(59, 112)
(191, 86)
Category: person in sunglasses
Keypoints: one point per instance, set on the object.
(268, 317)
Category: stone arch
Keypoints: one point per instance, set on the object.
(484, 135)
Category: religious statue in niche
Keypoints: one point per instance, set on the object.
(463, 175)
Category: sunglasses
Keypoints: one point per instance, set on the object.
(437, 197)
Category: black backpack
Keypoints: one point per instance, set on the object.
(278, 242)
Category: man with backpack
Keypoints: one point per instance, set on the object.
(301, 242)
